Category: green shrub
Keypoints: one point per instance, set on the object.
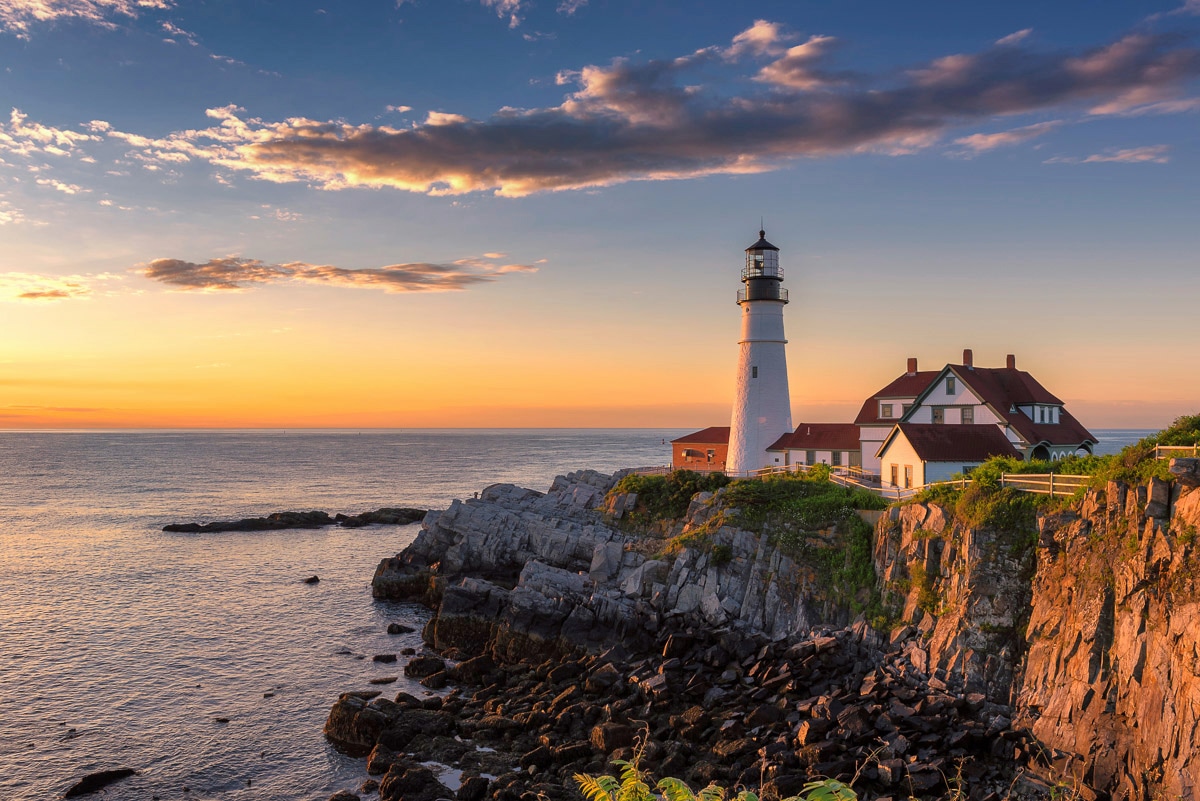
(633, 785)
(666, 497)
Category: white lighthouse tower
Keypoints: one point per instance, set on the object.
(762, 406)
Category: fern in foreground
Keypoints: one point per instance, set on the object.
(633, 786)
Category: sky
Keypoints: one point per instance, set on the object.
(484, 213)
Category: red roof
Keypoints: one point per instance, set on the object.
(1003, 389)
(820, 437)
(909, 385)
(713, 435)
(954, 443)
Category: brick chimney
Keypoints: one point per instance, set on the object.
(1012, 362)
(912, 366)
(968, 359)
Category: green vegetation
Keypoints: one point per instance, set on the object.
(633, 785)
(666, 497)
(985, 503)
(808, 517)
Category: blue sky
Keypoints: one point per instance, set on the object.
(554, 196)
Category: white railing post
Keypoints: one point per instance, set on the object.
(1051, 485)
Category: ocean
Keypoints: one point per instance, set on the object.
(122, 645)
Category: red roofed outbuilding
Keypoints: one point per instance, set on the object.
(702, 451)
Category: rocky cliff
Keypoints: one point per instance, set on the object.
(523, 570)
(1088, 618)
(1064, 639)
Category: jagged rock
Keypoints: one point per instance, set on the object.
(344, 795)
(421, 666)
(399, 628)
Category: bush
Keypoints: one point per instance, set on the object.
(633, 785)
(666, 497)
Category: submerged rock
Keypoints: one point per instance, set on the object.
(94, 782)
(394, 516)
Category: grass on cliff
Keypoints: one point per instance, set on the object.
(809, 518)
(984, 503)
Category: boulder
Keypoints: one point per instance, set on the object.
(94, 782)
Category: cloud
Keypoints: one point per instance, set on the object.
(65, 188)
(513, 9)
(979, 143)
(234, 273)
(175, 33)
(1151, 154)
(10, 214)
(646, 120)
(399, 109)
(754, 104)
(18, 16)
(1156, 154)
(20, 137)
(797, 69)
(569, 7)
(16, 286)
(1015, 38)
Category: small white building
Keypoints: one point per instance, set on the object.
(833, 444)
(915, 454)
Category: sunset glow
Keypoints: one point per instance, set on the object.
(468, 214)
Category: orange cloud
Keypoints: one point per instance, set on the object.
(234, 273)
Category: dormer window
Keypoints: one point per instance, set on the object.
(885, 410)
(950, 385)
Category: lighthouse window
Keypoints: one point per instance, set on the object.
(754, 372)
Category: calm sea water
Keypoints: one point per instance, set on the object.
(121, 645)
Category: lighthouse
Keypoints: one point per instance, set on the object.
(762, 407)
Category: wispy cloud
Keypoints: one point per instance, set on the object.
(175, 34)
(235, 273)
(981, 142)
(1151, 154)
(1015, 38)
(650, 120)
(16, 286)
(18, 16)
(20, 137)
(569, 7)
(512, 9)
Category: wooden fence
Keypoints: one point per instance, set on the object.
(1052, 484)
(1173, 451)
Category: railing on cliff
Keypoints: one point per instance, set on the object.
(851, 477)
(1174, 451)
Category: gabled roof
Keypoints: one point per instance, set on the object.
(820, 437)
(1004, 389)
(713, 435)
(950, 443)
(909, 385)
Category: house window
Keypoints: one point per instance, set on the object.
(906, 408)
(836, 458)
(1041, 414)
(754, 372)
(968, 415)
(885, 410)
(950, 385)
(810, 457)
(711, 453)
(895, 474)
(907, 476)
(939, 415)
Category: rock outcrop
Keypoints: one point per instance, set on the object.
(1111, 683)
(396, 516)
(523, 570)
(1067, 641)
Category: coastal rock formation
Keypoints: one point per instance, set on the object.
(1112, 678)
(545, 572)
(1064, 642)
(966, 586)
(398, 516)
